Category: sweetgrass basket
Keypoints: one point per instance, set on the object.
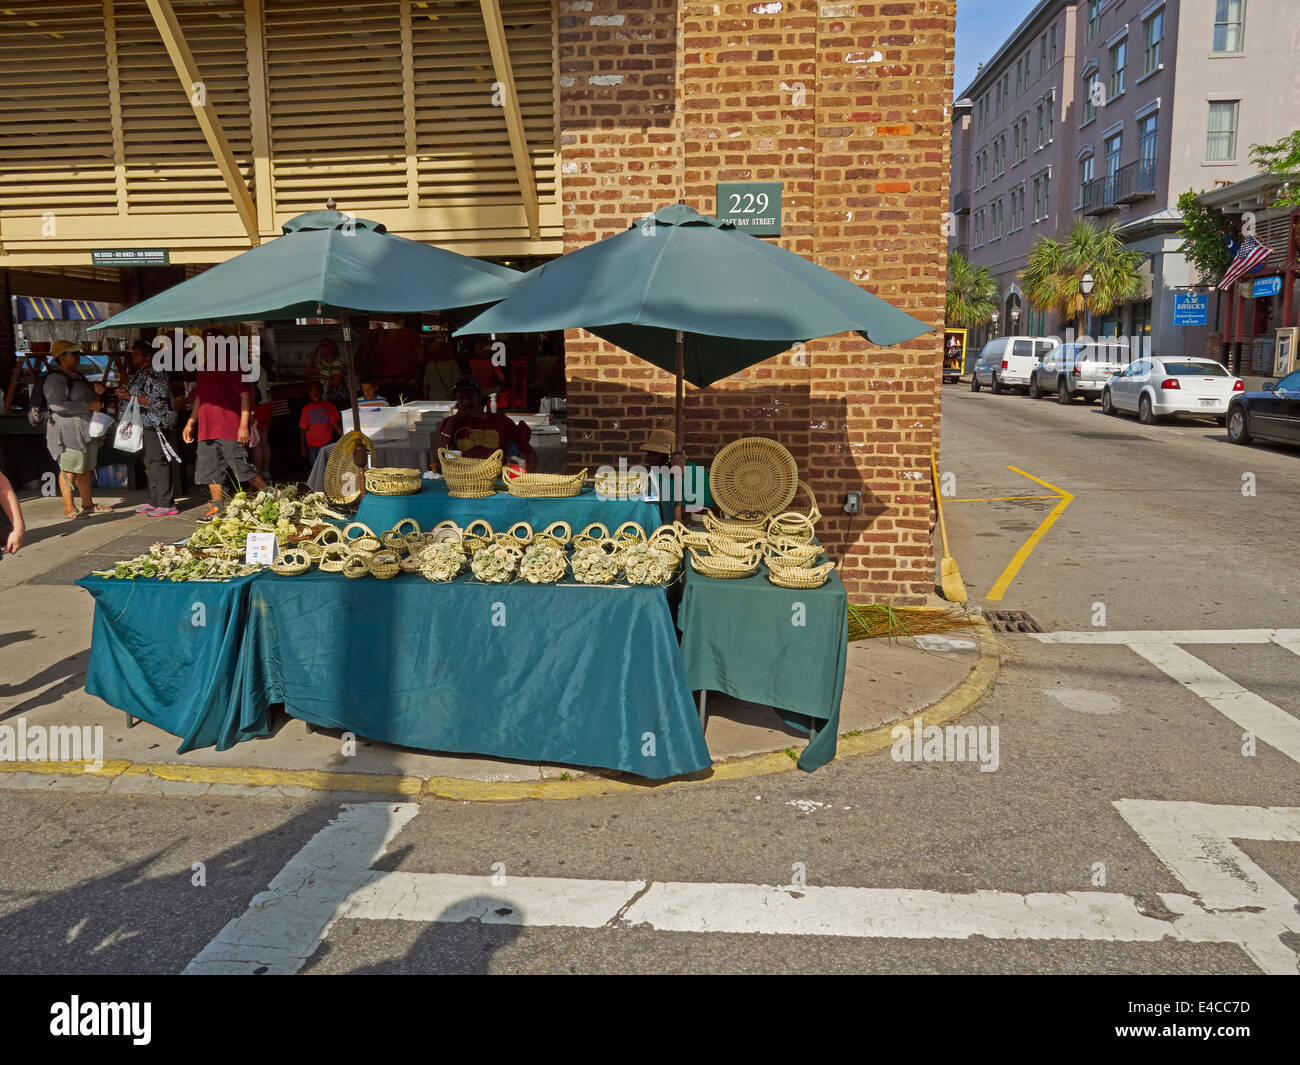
(292, 562)
(344, 480)
(333, 557)
(728, 548)
(594, 561)
(725, 566)
(629, 532)
(393, 481)
(356, 565)
(470, 478)
(788, 575)
(740, 529)
(793, 525)
(559, 531)
(358, 537)
(593, 533)
(446, 531)
(385, 565)
(520, 534)
(403, 536)
(478, 533)
(542, 485)
(788, 549)
(753, 475)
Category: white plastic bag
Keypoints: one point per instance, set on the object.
(130, 430)
(99, 423)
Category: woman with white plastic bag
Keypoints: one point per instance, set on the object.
(71, 401)
(151, 396)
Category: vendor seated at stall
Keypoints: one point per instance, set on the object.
(370, 397)
(476, 432)
(657, 453)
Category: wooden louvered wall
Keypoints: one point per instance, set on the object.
(385, 105)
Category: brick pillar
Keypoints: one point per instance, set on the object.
(620, 159)
(7, 333)
(883, 76)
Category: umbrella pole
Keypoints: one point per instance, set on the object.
(352, 374)
(681, 412)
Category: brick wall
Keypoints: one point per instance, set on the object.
(845, 104)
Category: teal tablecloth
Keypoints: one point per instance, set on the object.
(773, 646)
(588, 676)
(169, 653)
(432, 504)
(556, 673)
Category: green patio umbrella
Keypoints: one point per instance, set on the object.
(332, 264)
(696, 297)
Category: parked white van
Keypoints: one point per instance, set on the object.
(1008, 362)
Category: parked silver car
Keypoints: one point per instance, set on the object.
(1080, 368)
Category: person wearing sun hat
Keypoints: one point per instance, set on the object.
(71, 400)
(657, 450)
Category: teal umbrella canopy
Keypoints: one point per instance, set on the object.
(737, 299)
(326, 263)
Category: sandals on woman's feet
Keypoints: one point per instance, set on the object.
(97, 508)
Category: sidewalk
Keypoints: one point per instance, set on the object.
(45, 630)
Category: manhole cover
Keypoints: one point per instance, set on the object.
(1011, 621)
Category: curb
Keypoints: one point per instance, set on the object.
(171, 779)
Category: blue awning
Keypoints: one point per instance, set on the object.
(39, 309)
(81, 311)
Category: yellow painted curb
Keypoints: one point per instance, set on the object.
(950, 708)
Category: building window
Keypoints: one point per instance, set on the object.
(1114, 154)
(1142, 319)
(1085, 175)
(1041, 127)
(1094, 18)
(1024, 138)
(1015, 143)
(995, 228)
(1051, 115)
(1221, 135)
(1090, 83)
(1038, 198)
(1051, 45)
(1047, 195)
(1020, 78)
(1153, 34)
(1042, 54)
(1148, 131)
(1229, 22)
(1118, 63)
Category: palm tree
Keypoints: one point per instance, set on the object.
(1050, 279)
(972, 294)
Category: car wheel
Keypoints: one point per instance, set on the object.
(1062, 390)
(1107, 404)
(1146, 413)
(997, 386)
(1238, 433)
(1034, 391)
(974, 382)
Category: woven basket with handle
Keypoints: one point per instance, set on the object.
(385, 565)
(470, 478)
(344, 480)
(786, 549)
(291, 562)
(542, 485)
(792, 524)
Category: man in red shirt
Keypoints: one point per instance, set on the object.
(223, 404)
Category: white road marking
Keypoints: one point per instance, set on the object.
(1233, 900)
(284, 924)
(1243, 707)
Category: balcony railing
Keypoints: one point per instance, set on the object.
(961, 202)
(1099, 195)
(1135, 180)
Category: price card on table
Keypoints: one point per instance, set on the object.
(260, 549)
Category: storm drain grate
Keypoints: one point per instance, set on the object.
(1011, 621)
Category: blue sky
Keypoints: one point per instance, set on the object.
(982, 25)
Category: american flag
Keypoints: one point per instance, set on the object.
(1249, 255)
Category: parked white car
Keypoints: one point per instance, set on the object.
(1008, 362)
(1079, 369)
(1155, 387)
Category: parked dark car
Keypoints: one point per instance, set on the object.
(1273, 413)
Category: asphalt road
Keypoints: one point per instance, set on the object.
(1124, 829)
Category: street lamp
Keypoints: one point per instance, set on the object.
(1015, 320)
(1086, 283)
(994, 319)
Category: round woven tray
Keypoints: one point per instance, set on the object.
(393, 481)
(789, 576)
(543, 485)
(341, 463)
(470, 478)
(753, 475)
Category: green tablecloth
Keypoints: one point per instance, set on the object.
(168, 653)
(774, 646)
(432, 504)
(588, 676)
